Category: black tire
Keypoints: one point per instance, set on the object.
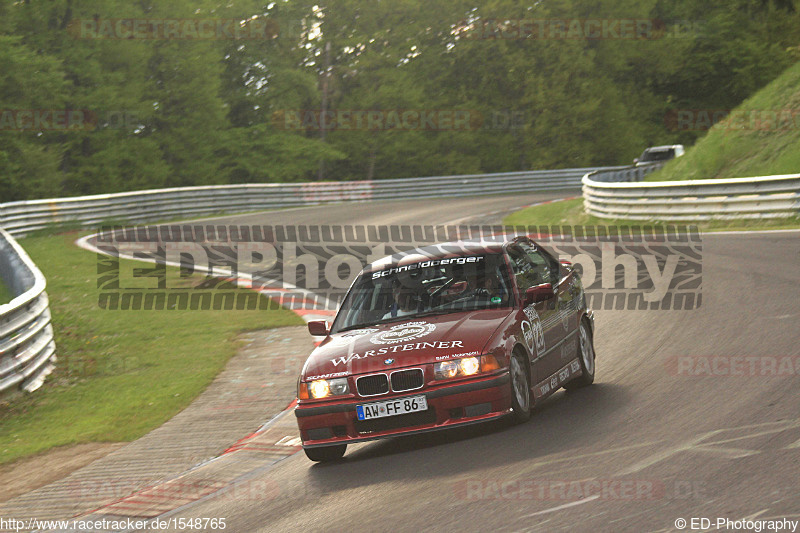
(325, 454)
(520, 385)
(586, 357)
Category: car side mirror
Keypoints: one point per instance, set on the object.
(319, 328)
(539, 293)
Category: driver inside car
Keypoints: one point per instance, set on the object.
(405, 301)
(484, 285)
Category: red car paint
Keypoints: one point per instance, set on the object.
(546, 332)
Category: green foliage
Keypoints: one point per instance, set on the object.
(761, 137)
(174, 112)
(5, 294)
(30, 81)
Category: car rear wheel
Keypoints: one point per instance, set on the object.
(585, 357)
(520, 388)
(326, 454)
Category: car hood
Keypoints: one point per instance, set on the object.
(404, 343)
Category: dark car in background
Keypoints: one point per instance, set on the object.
(657, 154)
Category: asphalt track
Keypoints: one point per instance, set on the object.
(644, 446)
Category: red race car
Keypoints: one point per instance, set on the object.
(444, 336)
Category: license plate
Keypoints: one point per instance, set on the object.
(399, 406)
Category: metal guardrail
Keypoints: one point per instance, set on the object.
(21, 218)
(626, 174)
(27, 349)
(758, 197)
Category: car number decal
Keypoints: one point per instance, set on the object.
(533, 332)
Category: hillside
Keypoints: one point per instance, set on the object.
(760, 137)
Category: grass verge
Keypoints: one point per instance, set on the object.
(5, 294)
(761, 137)
(570, 212)
(120, 374)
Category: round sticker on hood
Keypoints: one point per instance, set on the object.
(350, 336)
(403, 332)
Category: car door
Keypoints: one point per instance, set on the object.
(527, 274)
(558, 320)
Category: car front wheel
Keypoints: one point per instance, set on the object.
(585, 357)
(520, 389)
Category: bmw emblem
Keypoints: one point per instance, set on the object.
(388, 361)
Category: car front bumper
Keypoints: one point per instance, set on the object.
(449, 405)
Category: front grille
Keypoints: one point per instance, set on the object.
(407, 379)
(396, 422)
(372, 385)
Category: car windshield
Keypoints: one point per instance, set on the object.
(427, 287)
(657, 155)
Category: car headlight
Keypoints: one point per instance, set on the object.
(323, 388)
(445, 370)
(467, 366)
